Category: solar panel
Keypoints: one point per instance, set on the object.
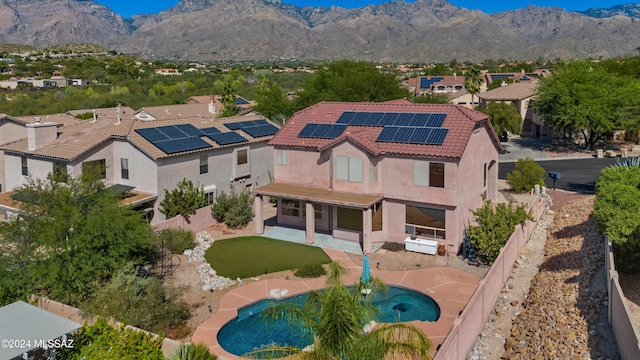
(152, 134)
(172, 132)
(321, 131)
(241, 101)
(173, 146)
(436, 120)
(374, 118)
(335, 130)
(260, 130)
(437, 136)
(189, 129)
(210, 130)
(387, 134)
(234, 126)
(403, 135)
(227, 138)
(388, 119)
(359, 119)
(243, 124)
(346, 117)
(403, 119)
(308, 130)
(413, 135)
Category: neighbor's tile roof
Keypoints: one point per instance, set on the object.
(75, 140)
(60, 119)
(177, 111)
(513, 91)
(460, 121)
(110, 112)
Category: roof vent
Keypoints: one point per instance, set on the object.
(38, 119)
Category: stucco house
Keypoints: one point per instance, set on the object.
(142, 158)
(521, 95)
(378, 172)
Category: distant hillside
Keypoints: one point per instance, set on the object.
(423, 30)
(630, 10)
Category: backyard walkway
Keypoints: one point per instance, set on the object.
(450, 288)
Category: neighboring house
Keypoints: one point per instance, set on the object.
(378, 172)
(244, 104)
(520, 94)
(521, 76)
(167, 71)
(435, 84)
(143, 158)
(164, 112)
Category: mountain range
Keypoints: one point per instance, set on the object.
(419, 31)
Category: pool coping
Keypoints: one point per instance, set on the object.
(450, 288)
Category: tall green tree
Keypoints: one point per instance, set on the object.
(334, 319)
(472, 81)
(504, 118)
(272, 102)
(582, 97)
(184, 200)
(68, 238)
(350, 81)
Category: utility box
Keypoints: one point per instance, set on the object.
(421, 245)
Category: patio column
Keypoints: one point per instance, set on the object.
(258, 219)
(310, 219)
(366, 231)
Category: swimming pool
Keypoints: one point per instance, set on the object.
(248, 331)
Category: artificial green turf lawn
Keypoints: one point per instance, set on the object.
(249, 256)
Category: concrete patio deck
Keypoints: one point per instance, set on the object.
(450, 288)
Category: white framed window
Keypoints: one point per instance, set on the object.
(423, 221)
(124, 168)
(290, 207)
(210, 194)
(242, 157)
(282, 157)
(97, 167)
(204, 164)
(427, 173)
(24, 165)
(349, 168)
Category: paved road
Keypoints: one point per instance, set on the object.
(577, 174)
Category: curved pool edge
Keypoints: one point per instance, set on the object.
(450, 288)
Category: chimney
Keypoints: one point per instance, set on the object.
(118, 111)
(503, 83)
(212, 108)
(40, 134)
(455, 77)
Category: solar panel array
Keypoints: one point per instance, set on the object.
(241, 101)
(255, 128)
(173, 139)
(413, 135)
(500, 76)
(425, 83)
(391, 119)
(322, 131)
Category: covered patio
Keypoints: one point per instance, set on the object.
(310, 196)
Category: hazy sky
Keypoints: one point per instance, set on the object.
(127, 8)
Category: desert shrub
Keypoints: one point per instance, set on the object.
(494, 227)
(192, 352)
(102, 341)
(141, 302)
(310, 271)
(176, 239)
(184, 200)
(526, 174)
(85, 116)
(235, 209)
(616, 210)
(393, 246)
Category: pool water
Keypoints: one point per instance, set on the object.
(249, 331)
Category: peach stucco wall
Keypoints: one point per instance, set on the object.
(462, 192)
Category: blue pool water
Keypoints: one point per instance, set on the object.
(249, 331)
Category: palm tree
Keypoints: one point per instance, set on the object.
(472, 82)
(333, 320)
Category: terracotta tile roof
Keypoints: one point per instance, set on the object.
(74, 140)
(513, 91)
(110, 112)
(460, 121)
(164, 112)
